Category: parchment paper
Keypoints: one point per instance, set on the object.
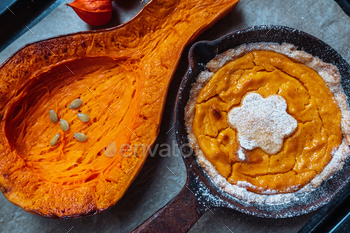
(163, 175)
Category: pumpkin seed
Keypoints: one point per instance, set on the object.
(54, 140)
(64, 125)
(53, 116)
(111, 150)
(83, 117)
(75, 104)
(80, 137)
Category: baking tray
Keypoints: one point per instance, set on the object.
(18, 16)
(25, 14)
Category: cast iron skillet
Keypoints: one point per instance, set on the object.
(200, 193)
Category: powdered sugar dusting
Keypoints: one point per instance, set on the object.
(262, 122)
(241, 154)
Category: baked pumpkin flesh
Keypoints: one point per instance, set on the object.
(304, 153)
(122, 76)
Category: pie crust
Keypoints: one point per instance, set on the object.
(244, 190)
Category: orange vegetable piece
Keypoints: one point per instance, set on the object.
(122, 76)
(93, 12)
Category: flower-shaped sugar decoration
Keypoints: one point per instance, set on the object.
(262, 122)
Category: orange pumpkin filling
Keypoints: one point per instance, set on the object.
(304, 153)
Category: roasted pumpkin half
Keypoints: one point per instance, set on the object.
(121, 75)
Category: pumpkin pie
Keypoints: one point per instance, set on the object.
(267, 121)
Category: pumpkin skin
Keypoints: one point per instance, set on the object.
(127, 69)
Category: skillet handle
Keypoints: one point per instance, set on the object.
(178, 215)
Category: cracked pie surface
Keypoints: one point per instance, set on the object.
(267, 120)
